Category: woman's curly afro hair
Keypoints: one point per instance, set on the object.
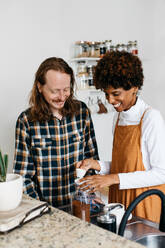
(118, 70)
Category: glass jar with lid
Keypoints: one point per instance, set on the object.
(82, 82)
(97, 49)
(90, 76)
(129, 46)
(81, 68)
(123, 47)
(92, 49)
(118, 47)
(134, 48)
(108, 45)
(82, 75)
(112, 48)
(102, 49)
(82, 49)
(78, 48)
(90, 70)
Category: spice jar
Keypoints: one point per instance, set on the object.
(102, 49)
(112, 48)
(97, 49)
(123, 47)
(90, 76)
(92, 49)
(79, 48)
(129, 46)
(119, 47)
(82, 75)
(108, 45)
(82, 49)
(134, 48)
(81, 68)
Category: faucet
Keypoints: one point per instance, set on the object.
(139, 199)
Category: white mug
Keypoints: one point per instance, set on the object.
(80, 173)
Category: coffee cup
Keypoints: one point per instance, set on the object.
(80, 173)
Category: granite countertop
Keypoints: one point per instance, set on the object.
(59, 229)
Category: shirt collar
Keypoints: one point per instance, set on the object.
(134, 112)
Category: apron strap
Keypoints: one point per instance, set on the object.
(117, 120)
(141, 120)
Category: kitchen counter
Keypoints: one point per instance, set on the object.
(59, 229)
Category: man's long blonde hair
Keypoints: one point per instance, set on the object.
(39, 108)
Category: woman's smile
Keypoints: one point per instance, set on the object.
(117, 105)
(121, 99)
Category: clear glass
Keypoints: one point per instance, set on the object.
(83, 204)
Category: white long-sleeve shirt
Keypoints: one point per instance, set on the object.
(152, 147)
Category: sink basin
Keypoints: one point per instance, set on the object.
(152, 241)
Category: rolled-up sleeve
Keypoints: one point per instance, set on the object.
(153, 153)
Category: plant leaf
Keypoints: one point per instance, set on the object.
(6, 162)
(2, 179)
(2, 166)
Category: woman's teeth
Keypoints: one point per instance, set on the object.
(117, 105)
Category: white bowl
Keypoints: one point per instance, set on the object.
(11, 192)
(80, 173)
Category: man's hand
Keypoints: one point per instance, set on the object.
(88, 164)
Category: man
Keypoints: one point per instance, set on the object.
(53, 135)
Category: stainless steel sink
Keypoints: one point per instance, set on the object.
(145, 232)
(138, 227)
(155, 237)
(152, 241)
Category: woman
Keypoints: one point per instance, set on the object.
(138, 157)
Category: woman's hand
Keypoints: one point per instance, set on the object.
(88, 164)
(96, 182)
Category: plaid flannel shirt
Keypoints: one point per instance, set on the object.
(46, 153)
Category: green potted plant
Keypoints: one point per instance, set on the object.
(10, 186)
(3, 167)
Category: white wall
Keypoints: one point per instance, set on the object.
(159, 38)
(32, 30)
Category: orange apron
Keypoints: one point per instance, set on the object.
(127, 157)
